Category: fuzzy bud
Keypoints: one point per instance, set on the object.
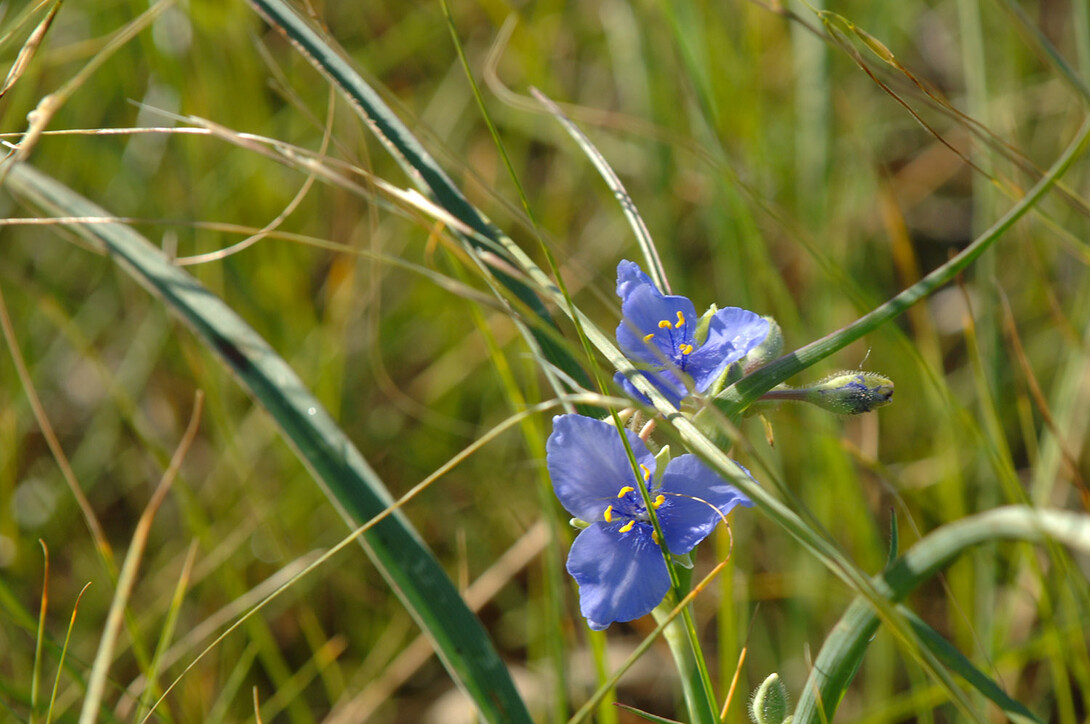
(850, 393)
(769, 703)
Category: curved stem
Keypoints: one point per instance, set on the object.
(844, 648)
(739, 395)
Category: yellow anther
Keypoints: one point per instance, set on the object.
(625, 490)
(648, 337)
(655, 536)
(657, 503)
(646, 472)
(665, 324)
(680, 319)
(627, 526)
(685, 348)
(608, 515)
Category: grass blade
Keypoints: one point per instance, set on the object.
(628, 206)
(960, 664)
(334, 462)
(845, 646)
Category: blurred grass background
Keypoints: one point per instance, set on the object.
(774, 174)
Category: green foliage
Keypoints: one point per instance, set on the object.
(805, 164)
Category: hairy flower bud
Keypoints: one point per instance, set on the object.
(851, 393)
(770, 703)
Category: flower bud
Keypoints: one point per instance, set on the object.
(850, 393)
(769, 703)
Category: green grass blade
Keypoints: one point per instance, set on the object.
(639, 229)
(335, 463)
(846, 645)
(960, 664)
(416, 161)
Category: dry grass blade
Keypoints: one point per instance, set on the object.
(47, 107)
(417, 653)
(26, 53)
(1070, 458)
(127, 580)
(283, 215)
(50, 436)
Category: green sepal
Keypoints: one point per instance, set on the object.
(662, 459)
(684, 560)
(768, 350)
(700, 334)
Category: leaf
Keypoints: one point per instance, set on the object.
(333, 461)
(961, 665)
(645, 715)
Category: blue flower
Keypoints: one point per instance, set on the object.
(660, 333)
(616, 560)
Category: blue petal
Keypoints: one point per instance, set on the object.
(588, 464)
(630, 276)
(664, 380)
(641, 311)
(621, 576)
(695, 497)
(733, 332)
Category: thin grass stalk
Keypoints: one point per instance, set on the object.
(628, 207)
(167, 634)
(126, 581)
(64, 653)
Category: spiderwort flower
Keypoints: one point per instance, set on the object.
(616, 559)
(665, 337)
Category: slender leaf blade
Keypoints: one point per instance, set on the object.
(960, 664)
(334, 462)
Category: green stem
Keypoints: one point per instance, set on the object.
(739, 395)
(695, 684)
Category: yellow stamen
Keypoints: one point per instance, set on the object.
(646, 472)
(626, 527)
(608, 515)
(655, 536)
(685, 348)
(648, 337)
(625, 490)
(665, 324)
(658, 502)
(680, 319)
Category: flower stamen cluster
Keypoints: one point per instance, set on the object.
(677, 351)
